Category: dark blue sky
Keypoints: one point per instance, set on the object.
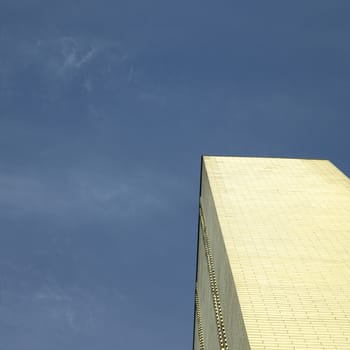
(105, 109)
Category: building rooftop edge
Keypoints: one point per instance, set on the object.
(260, 157)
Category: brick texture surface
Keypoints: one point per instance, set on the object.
(279, 231)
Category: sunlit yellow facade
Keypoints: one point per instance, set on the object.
(273, 267)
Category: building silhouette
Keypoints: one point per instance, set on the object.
(273, 258)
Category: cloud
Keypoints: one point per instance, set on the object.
(53, 60)
(152, 97)
(88, 85)
(74, 54)
(81, 192)
(71, 309)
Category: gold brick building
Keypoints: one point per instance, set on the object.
(273, 264)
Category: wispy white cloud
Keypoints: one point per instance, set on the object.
(88, 85)
(73, 309)
(50, 293)
(74, 54)
(81, 192)
(152, 97)
(60, 58)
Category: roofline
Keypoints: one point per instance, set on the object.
(259, 157)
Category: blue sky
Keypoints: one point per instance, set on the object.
(105, 110)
